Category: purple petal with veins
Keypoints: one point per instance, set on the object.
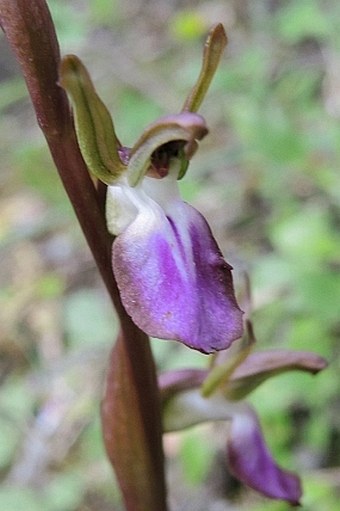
(251, 462)
(172, 278)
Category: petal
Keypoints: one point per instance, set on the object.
(251, 462)
(172, 278)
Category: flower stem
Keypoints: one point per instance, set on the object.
(137, 468)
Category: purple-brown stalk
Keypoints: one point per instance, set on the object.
(131, 415)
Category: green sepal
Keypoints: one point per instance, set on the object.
(184, 166)
(94, 127)
(260, 366)
(213, 49)
(220, 375)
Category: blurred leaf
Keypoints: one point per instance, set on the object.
(11, 92)
(189, 189)
(93, 448)
(105, 12)
(186, 25)
(37, 171)
(318, 431)
(64, 492)
(306, 237)
(134, 114)
(319, 293)
(196, 455)
(271, 506)
(9, 443)
(302, 19)
(299, 86)
(307, 332)
(175, 356)
(16, 400)
(246, 75)
(70, 22)
(50, 286)
(276, 136)
(88, 319)
(22, 499)
(319, 494)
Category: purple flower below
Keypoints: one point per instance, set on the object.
(193, 396)
(251, 462)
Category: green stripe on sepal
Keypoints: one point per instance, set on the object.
(94, 127)
(220, 375)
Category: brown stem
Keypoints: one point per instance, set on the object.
(125, 389)
(30, 32)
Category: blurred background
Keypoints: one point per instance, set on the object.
(266, 178)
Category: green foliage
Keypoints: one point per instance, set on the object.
(196, 456)
(302, 19)
(134, 114)
(21, 499)
(87, 320)
(74, 31)
(105, 12)
(188, 25)
(11, 91)
(36, 170)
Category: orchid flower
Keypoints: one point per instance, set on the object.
(172, 278)
(193, 396)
